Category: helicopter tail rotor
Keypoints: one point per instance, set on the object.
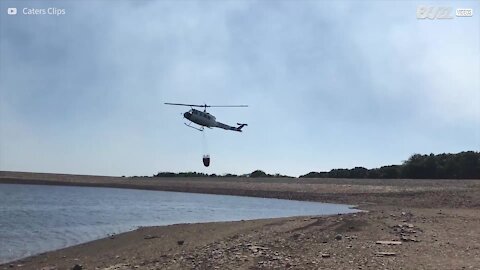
(240, 126)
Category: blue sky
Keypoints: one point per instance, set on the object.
(330, 84)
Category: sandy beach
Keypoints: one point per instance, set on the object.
(408, 224)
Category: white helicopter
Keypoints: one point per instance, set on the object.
(204, 119)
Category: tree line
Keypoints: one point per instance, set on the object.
(463, 165)
(254, 174)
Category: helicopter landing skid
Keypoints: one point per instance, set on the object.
(190, 125)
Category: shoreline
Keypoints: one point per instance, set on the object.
(435, 224)
(346, 209)
(21, 260)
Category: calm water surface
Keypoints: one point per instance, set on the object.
(35, 219)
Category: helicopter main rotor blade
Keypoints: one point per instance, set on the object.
(227, 105)
(181, 104)
(204, 106)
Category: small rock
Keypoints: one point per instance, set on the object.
(325, 255)
(180, 242)
(338, 237)
(77, 267)
(297, 235)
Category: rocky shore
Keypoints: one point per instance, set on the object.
(408, 224)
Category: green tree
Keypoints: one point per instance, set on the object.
(258, 173)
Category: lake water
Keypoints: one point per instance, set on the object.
(35, 219)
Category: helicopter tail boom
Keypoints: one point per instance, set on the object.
(227, 127)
